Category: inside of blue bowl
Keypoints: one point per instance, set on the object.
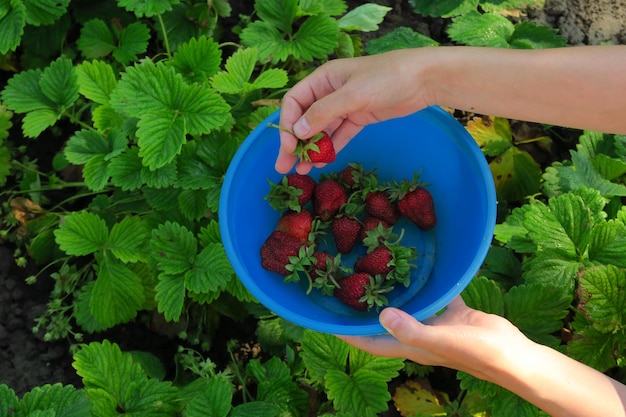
(430, 142)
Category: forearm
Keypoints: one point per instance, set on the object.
(560, 385)
(578, 87)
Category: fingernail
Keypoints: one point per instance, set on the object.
(302, 127)
(390, 319)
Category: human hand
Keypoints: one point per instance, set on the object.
(344, 95)
(461, 338)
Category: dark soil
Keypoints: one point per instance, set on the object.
(27, 361)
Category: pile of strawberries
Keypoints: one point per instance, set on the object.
(357, 210)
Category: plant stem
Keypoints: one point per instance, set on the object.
(166, 41)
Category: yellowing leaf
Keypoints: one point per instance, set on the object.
(492, 135)
(516, 175)
(417, 397)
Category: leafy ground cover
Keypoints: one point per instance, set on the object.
(110, 125)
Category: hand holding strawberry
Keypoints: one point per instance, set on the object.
(318, 148)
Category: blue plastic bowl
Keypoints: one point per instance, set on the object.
(430, 142)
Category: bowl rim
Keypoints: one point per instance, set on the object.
(486, 180)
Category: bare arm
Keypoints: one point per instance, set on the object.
(491, 348)
(579, 87)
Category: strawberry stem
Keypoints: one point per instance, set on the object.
(286, 129)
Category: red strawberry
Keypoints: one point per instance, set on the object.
(370, 223)
(293, 192)
(319, 148)
(418, 206)
(328, 198)
(354, 177)
(297, 224)
(378, 204)
(276, 251)
(346, 231)
(362, 291)
(378, 261)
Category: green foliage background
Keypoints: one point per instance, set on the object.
(151, 100)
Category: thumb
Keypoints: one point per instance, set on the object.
(324, 114)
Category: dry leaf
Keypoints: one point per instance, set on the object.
(417, 396)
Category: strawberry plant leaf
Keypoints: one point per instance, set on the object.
(238, 71)
(278, 13)
(128, 238)
(59, 84)
(594, 347)
(538, 311)
(81, 233)
(327, 7)
(516, 175)
(399, 38)
(509, 404)
(114, 380)
(23, 94)
(558, 230)
(211, 270)
(12, 23)
(386, 368)
(54, 399)
(95, 173)
(362, 393)
(323, 352)
(443, 8)
(214, 399)
(602, 297)
(44, 12)
(151, 8)
(117, 294)
(168, 108)
(484, 294)
(476, 29)
(125, 170)
(493, 135)
(173, 247)
(255, 409)
(607, 243)
(529, 35)
(193, 204)
(96, 39)
(8, 400)
(197, 59)
(82, 310)
(84, 145)
(5, 165)
(550, 268)
(96, 80)
(170, 296)
(162, 177)
(364, 18)
(133, 41)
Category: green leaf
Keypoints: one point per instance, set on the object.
(84, 145)
(529, 35)
(493, 135)
(12, 23)
(23, 93)
(59, 400)
(363, 393)
(444, 8)
(117, 295)
(173, 247)
(538, 311)
(162, 177)
(161, 137)
(255, 409)
(550, 268)
(5, 165)
(592, 346)
(385, 368)
(170, 296)
(96, 80)
(37, 121)
(128, 238)
(211, 270)
(44, 12)
(516, 175)
(399, 38)
(95, 173)
(8, 399)
(323, 352)
(125, 170)
(475, 29)
(238, 70)
(59, 84)
(608, 243)
(326, 7)
(115, 381)
(279, 13)
(198, 59)
(81, 233)
(484, 294)
(193, 204)
(133, 41)
(510, 404)
(96, 39)
(364, 18)
(215, 400)
(602, 291)
(555, 230)
(167, 108)
(143, 8)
